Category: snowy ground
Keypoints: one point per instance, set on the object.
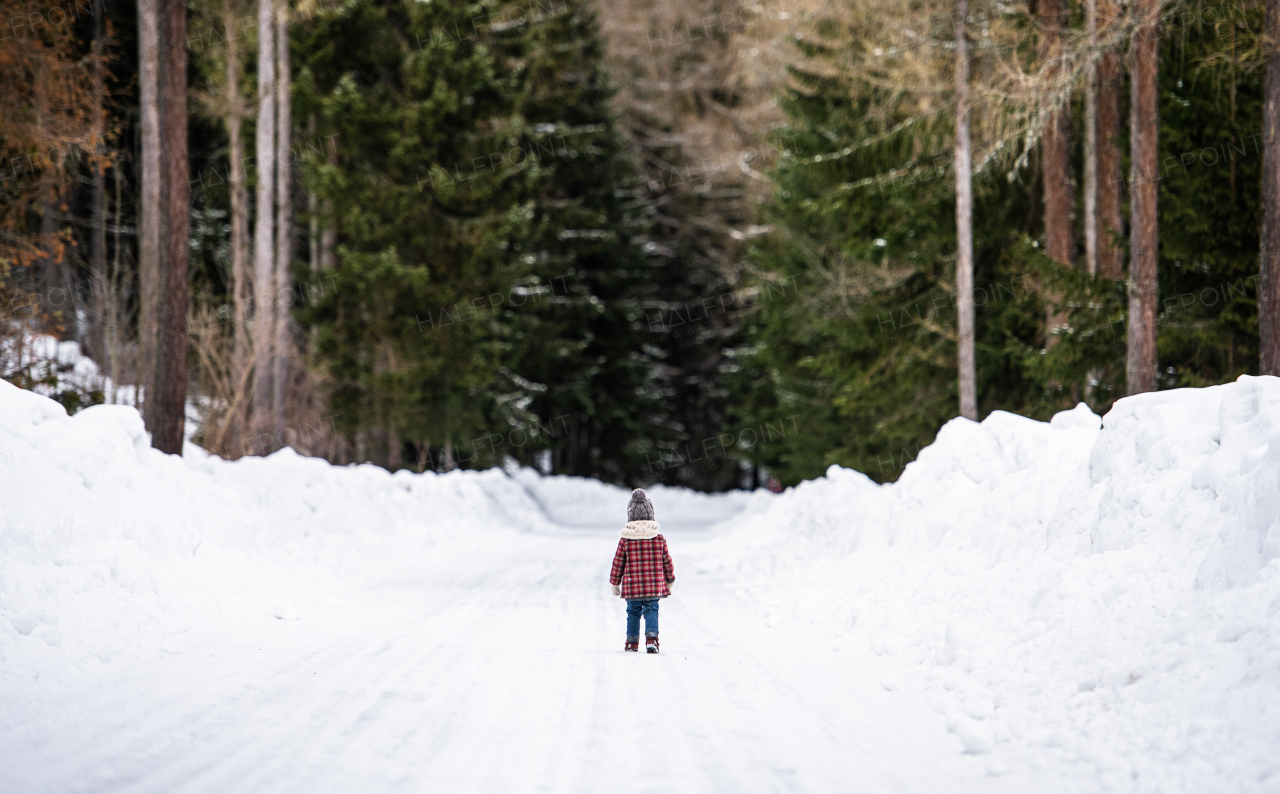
(1033, 607)
(501, 671)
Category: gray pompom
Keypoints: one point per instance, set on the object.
(639, 508)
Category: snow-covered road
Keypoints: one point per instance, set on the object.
(1033, 607)
(501, 670)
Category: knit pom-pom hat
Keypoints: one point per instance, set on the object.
(639, 508)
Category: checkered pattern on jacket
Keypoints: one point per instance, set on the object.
(643, 568)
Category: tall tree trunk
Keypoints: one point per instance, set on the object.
(170, 390)
(1058, 174)
(313, 211)
(284, 225)
(1110, 82)
(149, 201)
(328, 232)
(1059, 177)
(114, 320)
(1102, 180)
(241, 356)
(98, 245)
(1091, 141)
(1269, 271)
(964, 224)
(1144, 136)
(263, 241)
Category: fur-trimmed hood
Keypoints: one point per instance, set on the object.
(640, 530)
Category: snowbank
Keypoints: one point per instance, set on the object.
(1100, 604)
(111, 550)
(1106, 597)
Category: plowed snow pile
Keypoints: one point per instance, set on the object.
(111, 550)
(1096, 606)
(1102, 599)
(109, 547)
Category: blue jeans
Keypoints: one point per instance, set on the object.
(649, 607)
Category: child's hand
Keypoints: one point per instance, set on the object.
(617, 590)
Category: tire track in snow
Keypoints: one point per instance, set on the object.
(502, 671)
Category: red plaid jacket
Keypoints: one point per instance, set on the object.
(643, 568)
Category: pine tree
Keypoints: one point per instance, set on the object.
(1212, 112)
(865, 220)
(856, 354)
(486, 298)
(583, 342)
(404, 92)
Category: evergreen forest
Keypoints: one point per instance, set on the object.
(712, 244)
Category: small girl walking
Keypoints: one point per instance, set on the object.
(642, 571)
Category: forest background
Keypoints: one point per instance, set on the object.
(703, 243)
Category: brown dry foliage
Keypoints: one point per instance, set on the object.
(901, 55)
(46, 119)
(697, 82)
(308, 426)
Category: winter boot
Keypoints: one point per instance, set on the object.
(632, 645)
(651, 643)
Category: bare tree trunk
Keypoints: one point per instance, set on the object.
(1059, 177)
(1144, 135)
(1101, 174)
(1091, 141)
(263, 240)
(313, 231)
(313, 211)
(964, 224)
(114, 316)
(328, 233)
(98, 245)
(284, 236)
(315, 251)
(1055, 160)
(170, 390)
(149, 201)
(1110, 81)
(1269, 275)
(241, 356)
